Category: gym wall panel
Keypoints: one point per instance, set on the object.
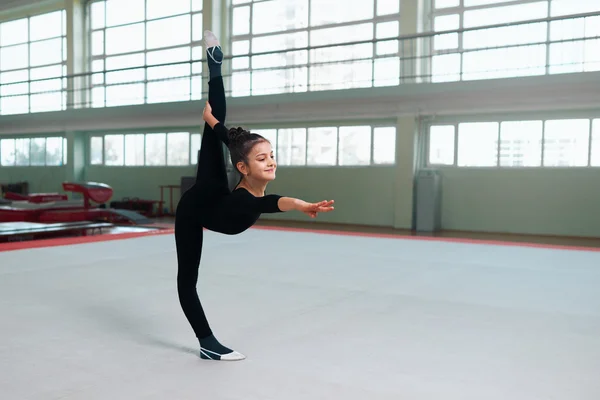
(41, 179)
(363, 195)
(141, 182)
(540, 201)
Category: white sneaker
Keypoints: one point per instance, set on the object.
(210, 40)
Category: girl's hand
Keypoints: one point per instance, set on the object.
(207, 113)
(312, 209)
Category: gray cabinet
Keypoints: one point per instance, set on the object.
(428, 202)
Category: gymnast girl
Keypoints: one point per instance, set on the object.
(210, 204)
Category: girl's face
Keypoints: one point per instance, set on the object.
(261, 162)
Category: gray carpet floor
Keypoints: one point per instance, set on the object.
(318, 316)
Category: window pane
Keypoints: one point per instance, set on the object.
(478, 144)
(567, 7)
(322, 146)
(505, 62)
(113, 150)
(510, 35)
(196, 139)
(45, 26)
(96, 150)
(53, 71)
(46, 52)
(291, 146)
(269, 134)
(98, 43)
(54, 151)
(7, 152)
(162, 8)
(279, 16)
(385, 7)
(197, 5)
(341, 34)
(321, 11)
(46, 102)
(14, 32)
(134, 149)
(354, 145)
(22, 152)
(156, 149)
(131, 60)
(384, 145)
(124, 95)
(241, 20)
(441, 144)
(566, 143)
(38, 151)
(446, 3)
(387, 30)
(506, 14)
(595, 160)
(168, 32)
(125, 39)
(386, 71)
(124, 12)
(521, 144)
(14, 105)
(14, 57)
(65, 151)
(19, 79)
(97, 15)
(474, 3)
(166, 56)
(178, 148)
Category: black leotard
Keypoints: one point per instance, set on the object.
(210, 204)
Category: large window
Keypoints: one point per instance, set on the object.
(510, 51)
(145, 149)
(33, 54)
(33, 151)
(133, 34)
(262, 26)
(530, 143)
(333, 145)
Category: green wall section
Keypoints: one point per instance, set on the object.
(41, 179)
(363, 195)
(141, 182)
(531, 201)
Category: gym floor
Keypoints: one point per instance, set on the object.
(320, 315)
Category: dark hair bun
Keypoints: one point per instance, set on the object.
(237, 135)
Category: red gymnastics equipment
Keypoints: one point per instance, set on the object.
(55, 207)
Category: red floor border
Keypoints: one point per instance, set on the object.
(11, 246)
(33, 244)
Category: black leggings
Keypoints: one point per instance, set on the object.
(211, 184)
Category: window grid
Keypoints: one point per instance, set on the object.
(565, 141)
(301, 71)
(457, 62)
(156, 80)
(98, 145)
(18, 152)
(310, 146)
(33, 91)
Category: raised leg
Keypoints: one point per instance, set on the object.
(211, 164)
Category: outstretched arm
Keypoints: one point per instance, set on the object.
(310, 209)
